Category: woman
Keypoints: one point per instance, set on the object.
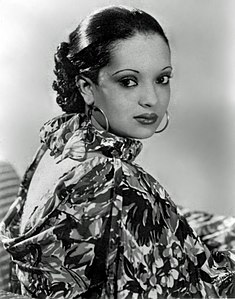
(89, 222)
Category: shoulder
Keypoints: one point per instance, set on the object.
(136, 177)
(51, 181)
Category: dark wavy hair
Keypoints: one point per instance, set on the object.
(89, 49)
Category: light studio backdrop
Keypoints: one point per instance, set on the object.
(194, 157)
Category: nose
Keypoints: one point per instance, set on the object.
(149, 96)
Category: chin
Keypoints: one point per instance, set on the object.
(142, 134)
(135, 133)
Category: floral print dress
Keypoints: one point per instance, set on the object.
(106, 228)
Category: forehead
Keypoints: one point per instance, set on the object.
(142, 51)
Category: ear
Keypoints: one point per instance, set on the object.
(85, 86)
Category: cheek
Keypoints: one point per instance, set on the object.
(125, 107)
(120, 114)
(166, 94)
(116, 103)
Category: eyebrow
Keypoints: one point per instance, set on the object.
(124, 71)
(167, 67)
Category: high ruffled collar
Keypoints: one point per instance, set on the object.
(73, 136)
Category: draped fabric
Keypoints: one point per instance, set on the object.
(104, 228)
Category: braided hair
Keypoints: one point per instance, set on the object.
(90, 48)
(68, 97)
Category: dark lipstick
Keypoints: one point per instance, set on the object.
(147, 118)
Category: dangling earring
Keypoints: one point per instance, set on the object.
(167, 123)
(95, 108)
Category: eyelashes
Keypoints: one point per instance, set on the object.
(164, 79)
(129, 82)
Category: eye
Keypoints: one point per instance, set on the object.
(164, 79)
(128, 82)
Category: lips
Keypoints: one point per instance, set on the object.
(147, 118)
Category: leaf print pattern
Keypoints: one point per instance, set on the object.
(108, 229)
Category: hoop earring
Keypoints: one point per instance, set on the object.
(167, 123)
(95, 108)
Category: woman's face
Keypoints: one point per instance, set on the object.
(133, 89)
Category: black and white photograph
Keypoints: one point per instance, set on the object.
(117, 144)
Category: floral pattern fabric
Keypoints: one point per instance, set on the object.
(107, 229)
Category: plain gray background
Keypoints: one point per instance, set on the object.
(194, 158)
